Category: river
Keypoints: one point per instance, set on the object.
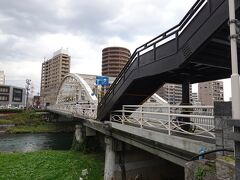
(33, 142)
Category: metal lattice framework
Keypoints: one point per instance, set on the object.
(76, 97)
(74, 89)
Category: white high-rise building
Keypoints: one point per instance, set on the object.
(2, 78)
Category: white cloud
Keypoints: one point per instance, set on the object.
(17, 73)
(33, 29)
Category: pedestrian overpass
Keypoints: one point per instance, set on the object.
(195, 50)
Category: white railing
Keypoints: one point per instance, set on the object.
(188, 120)
(85, 110)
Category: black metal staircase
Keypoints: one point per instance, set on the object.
(197, 49)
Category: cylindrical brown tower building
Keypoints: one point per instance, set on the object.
(113, 60)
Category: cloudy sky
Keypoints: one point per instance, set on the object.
(33, 29)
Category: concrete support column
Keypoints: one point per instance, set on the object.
(79, 134)
(109, 159)
(185, 101)
(185, 93)
(78, 143)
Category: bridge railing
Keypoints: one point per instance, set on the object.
(188, 120)
(89, 111)
(172, 33)
(82, 110)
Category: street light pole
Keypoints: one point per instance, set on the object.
(235, 76)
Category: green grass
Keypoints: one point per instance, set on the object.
(48, 165)
(26, 118)
(228, 159)
(4, 121)
(40, 128)
(32, 122)
(206, 170)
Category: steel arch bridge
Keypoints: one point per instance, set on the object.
(76, 96)
(74, 88)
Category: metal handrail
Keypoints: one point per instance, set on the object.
(202, 124)
(174, 30)
(172, 106)
(87, 111)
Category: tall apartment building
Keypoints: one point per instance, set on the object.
(53, 71)
(172, 93)
(2, 78)
(113, 60)
(210, 91)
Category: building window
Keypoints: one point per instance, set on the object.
(17, 95)
(4, 89)
(4, 97)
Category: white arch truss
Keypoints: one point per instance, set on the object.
(74, 89)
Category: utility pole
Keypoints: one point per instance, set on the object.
(235, 84)
(31, 90)
(28, 83)
(234, 57)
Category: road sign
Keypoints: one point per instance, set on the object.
(102, 80)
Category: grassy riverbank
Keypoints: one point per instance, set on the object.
(32, 122)
(3, 122)
(50, 165)
(41, 128)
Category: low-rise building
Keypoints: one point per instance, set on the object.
(36, 102)
(12, 96)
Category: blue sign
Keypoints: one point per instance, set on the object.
(102, 80)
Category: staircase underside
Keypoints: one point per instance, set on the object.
(201, 52)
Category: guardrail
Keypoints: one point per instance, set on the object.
(83, 110)
(188, 120)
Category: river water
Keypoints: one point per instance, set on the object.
(33, 142)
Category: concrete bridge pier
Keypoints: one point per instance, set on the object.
(109, 159)
(85, 139)
(79, 133)
(78, 139)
